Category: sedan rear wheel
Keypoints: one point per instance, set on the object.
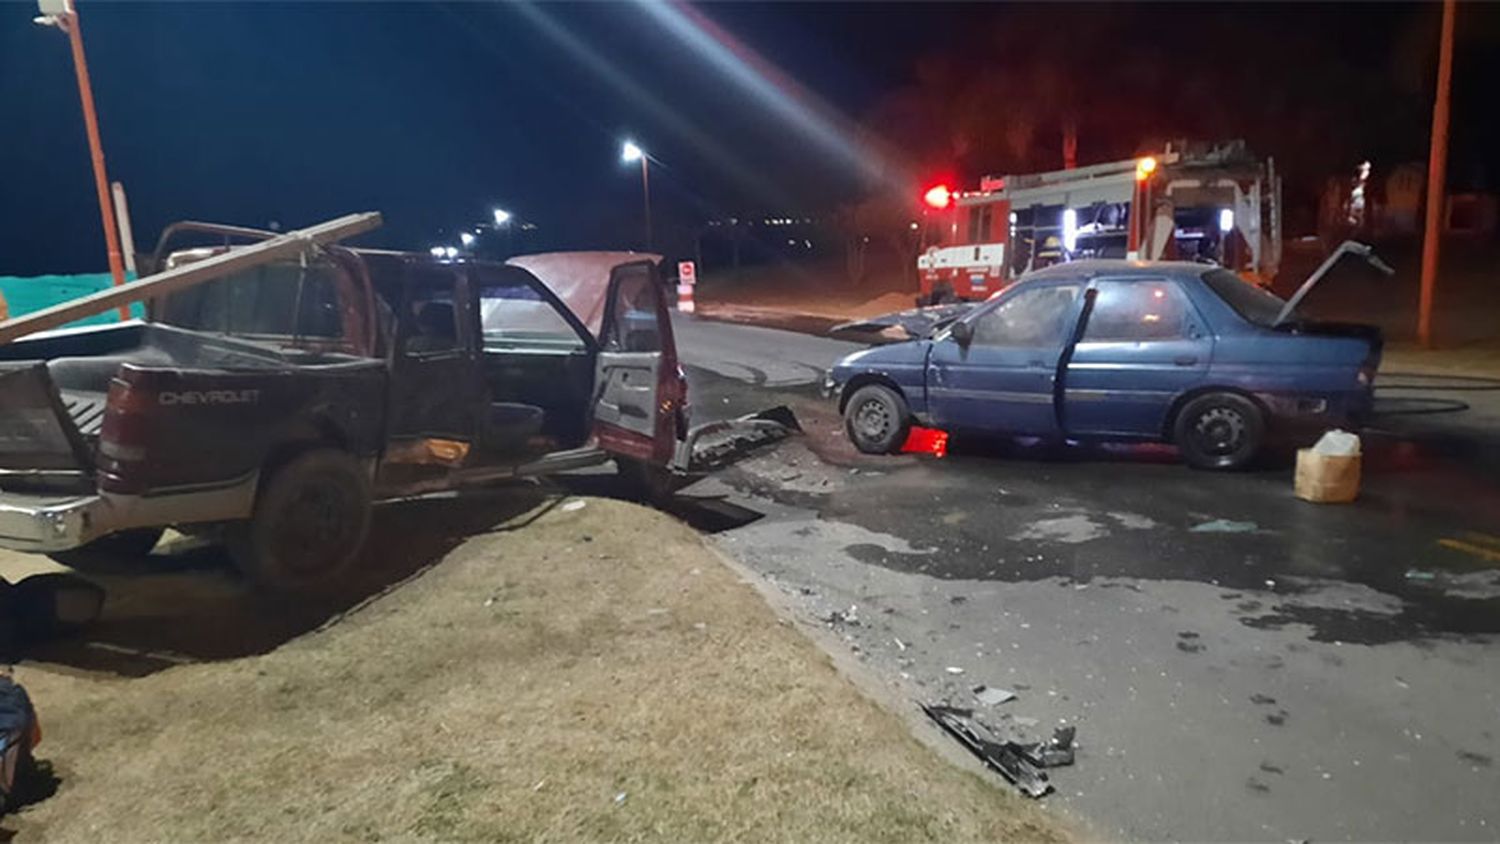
(1219, 431)
(877, 419)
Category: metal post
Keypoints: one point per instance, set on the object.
(646, 195)
(1437, 175)
(70, 24)
(127, 235)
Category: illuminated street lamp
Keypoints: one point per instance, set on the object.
(437, 251)
(467, 239)
(631, 153)
(501, 216)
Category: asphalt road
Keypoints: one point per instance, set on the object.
(1240, 664)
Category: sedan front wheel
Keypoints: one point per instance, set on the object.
(877, 419)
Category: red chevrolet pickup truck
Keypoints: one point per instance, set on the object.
(269, 404)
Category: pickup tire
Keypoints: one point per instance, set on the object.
(877, 419)
(309, 523)
(107, 553)
(1219, 431)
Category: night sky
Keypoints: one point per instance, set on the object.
(252, 113)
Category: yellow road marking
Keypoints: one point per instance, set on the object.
(1470, 548)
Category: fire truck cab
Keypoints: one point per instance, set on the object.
(1215, 204)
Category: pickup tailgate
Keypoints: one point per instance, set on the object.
(37, 434)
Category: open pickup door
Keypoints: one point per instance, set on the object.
(639, 390)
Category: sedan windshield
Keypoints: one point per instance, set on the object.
(1255, 304)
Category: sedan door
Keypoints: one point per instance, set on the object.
(1003, 379)
(1143, 345)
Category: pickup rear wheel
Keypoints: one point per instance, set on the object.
(309, 523)
(1219, 431)
(877, 419)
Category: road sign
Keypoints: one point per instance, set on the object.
(687, 272)
(53, 7)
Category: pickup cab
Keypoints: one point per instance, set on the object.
(275, 390)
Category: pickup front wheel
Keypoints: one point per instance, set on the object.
(310, 520)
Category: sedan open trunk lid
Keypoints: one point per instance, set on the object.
(1348, 247)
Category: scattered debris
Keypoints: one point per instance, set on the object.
(1224, 526)
(1054, 753)
(900, 645)
(990, 696)
(620, 798)
(850, 618)
(539, 784)
(1005, 758)
(575, 504)
(1420, 574)
(954, 669)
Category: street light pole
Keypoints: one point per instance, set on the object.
(631, 152)
(65, 17)
(1437, 176)
(646, 195)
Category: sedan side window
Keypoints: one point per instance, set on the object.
(1029, 319)
(1137, 311)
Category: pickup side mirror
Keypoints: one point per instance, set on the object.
(963, 332)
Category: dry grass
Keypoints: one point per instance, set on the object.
(512, 693)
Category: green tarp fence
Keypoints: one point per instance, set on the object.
(24, 295)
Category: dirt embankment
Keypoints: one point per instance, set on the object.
(594, 674)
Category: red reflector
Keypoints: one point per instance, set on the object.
(926, 441)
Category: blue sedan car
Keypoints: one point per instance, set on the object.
(1119, 350)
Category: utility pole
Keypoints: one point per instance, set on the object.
(1437, 177)
(631, 152)
(61, 14)
(646, 195)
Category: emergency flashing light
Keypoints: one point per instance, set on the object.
(938, 196)
(1226, 219)
(1070, 229)
(1144, 168)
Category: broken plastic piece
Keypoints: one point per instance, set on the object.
(1223, 526)
(1002, 758)
(990, 696)
(1051, 754)
(926, 441)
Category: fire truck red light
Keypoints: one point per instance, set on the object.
(938, 196)
(926, 441)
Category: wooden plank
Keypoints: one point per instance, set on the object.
(189, 275)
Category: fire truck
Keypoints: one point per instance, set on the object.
(1192, 202)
